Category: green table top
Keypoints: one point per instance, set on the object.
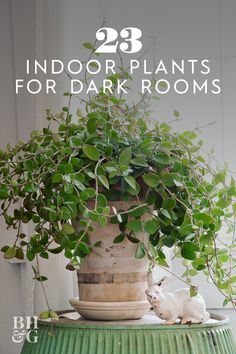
(145, 336)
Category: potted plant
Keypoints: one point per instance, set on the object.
(110, 191)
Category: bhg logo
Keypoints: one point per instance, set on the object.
(25, 327)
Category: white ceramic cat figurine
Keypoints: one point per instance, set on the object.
(171, 306)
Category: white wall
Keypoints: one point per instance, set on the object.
(14, 117)
(185, 28)
(28, 29)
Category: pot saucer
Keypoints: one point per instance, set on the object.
(110, 311)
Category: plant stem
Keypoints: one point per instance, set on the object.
(44, 292)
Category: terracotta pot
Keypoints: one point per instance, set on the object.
(111, 272)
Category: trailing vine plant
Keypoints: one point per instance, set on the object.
(118, 151)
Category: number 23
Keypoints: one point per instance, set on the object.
(131, 43)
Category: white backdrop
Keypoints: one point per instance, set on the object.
(28, 29)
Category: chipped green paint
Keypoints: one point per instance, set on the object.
(72, 337)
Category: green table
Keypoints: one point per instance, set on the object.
(145, 336)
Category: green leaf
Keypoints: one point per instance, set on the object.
(44, 315)
(4, 249)
(106, 211)
(10, 253)
(186, 229)
(151, 226)
(104, 181)
(101, 102)
(192, 272)
(119, 238)
(133, 239)
(97, 244)
(219, 178)
(168, 242)
(170, 179)
(36, 219)
(140, 251)
(176, 113)
(162, 262)
(193, 291)
(223, 258)
(68, 229)
(169, 203)
(189, 134)
(125, 156)
(56, 137)
(91, 192)
(91, 125)
(79, 185)
(102, 200)
(134, 225)
(41, 278)
(93, 64)
(28, 165)
(66, 213)
(76, 163)
(14, 183)
(3, 192)
(191, 246)
(207, 219)
(188, 253)
(34, 133)
(223, 202)
(225, 302)
(151, 179)
(138, 211)
(139, 161)
(30, 255)
(83, 247)
(233, 279)
(91, 152)
(57, 178)
(44, 255)
(54, 315)
(77, 141)
(94, 216)
(70, 267)
(199, 264)
(68, 253)
(88, 45)
(103, 221)
(19, 253)
(56, 250)
(131, 182)
(162, 158)
(216, 211)
(147, 144)
(152, 249)
(66, 168)
(165, 213)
